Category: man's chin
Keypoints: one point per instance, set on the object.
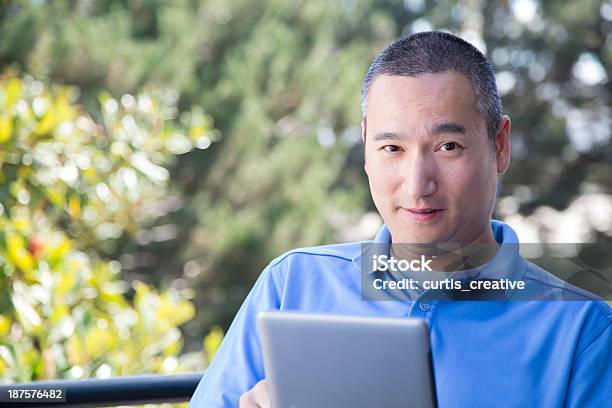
(425, 238)
(414, 232)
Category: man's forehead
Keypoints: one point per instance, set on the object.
(449, 81)
(445, 98)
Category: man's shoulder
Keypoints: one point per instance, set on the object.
(557, 286)
(303, 266)
(344, 252)
(554, 288)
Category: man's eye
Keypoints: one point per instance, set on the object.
(447, 147)
(391, 148)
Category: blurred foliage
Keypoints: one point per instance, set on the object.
(99, 180)
(282, 80)
(69, 185)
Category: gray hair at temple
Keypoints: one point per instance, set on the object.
(434, 52)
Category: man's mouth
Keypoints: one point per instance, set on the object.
(423, 214)
(423, 210)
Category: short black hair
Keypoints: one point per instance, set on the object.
(432, 52)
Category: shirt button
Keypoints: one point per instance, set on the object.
(424, 306)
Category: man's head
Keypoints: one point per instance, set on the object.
(433, 52)
(435, 139)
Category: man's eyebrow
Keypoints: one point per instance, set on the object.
(448, 127)
(389, 136)
(438, 129)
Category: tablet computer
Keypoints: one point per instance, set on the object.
(321, 361)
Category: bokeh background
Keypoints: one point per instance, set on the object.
(156, 155)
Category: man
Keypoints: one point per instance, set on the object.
(435, 143)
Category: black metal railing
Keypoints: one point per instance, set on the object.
(132, 390)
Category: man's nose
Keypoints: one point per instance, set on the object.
(419, 177)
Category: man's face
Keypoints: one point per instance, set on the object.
(431, 168)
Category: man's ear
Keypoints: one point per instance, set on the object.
(363, 130)
(502, 145)
(363, 136)
(363, 140)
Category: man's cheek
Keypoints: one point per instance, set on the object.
(379, 180)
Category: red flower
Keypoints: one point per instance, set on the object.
(36, 246)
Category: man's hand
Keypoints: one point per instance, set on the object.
(257, 397)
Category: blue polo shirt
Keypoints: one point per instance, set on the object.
(485, 353)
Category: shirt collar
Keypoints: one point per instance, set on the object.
(507, 262)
